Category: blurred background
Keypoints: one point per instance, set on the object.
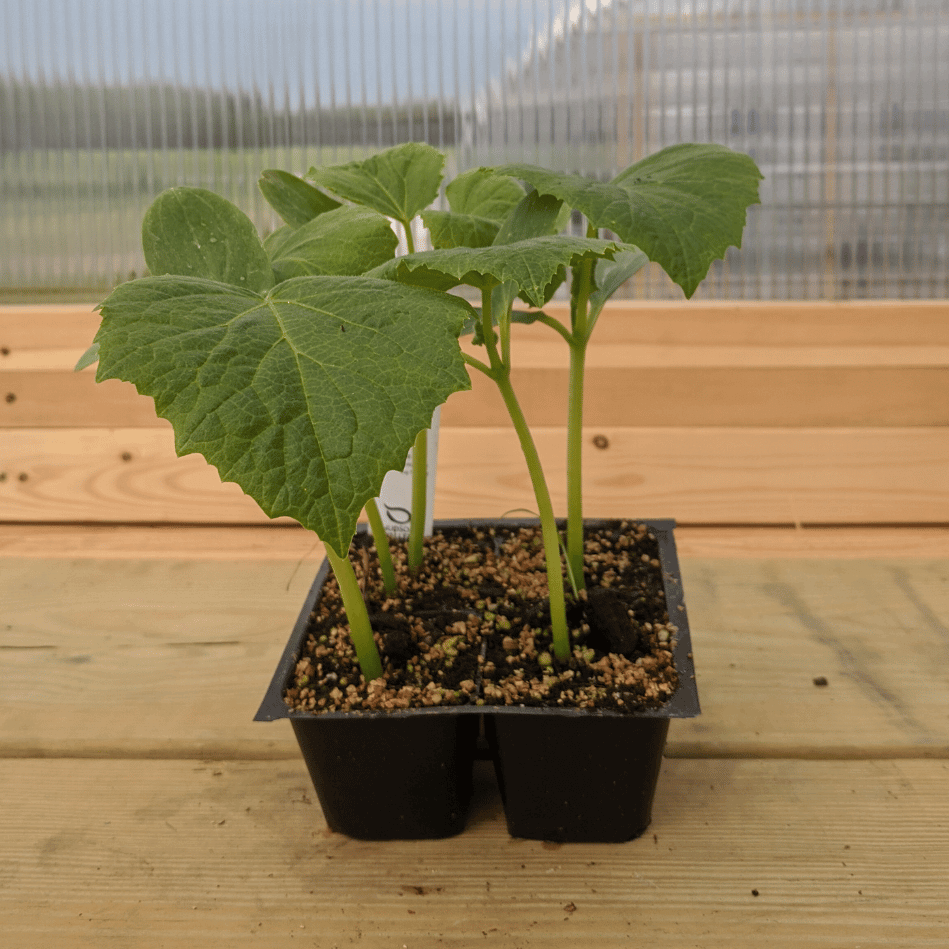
(844, 104)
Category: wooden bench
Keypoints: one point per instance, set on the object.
(804, 450)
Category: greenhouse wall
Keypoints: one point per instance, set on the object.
(844, 105)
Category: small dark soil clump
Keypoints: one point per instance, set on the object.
(473, 627)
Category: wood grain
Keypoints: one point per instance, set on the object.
(632, 393)
(740, 476)
(291, 542)
(863, 322)
(184, 854)
(185, 649)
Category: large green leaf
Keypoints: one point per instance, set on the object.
(346, 241)
(305, 397)
(398, 182)
(483, 194)
(535, 215)
(683, 206)
(535, 266)
(294, 199)
(449, 229)
(196, 233)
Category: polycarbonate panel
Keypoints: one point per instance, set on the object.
(843, 103)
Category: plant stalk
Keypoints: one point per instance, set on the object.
(575, 554)
(501, 374)
(382, 545)
(419, 501)
(548, 521)
(578, 353)
(360, 629)
(416, 550)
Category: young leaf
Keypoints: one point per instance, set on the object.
(610, 275)
(535, 265)
(196, 233)
(683, 206)
(346, 241)
(449, 229)
(305, 397)
(295, 200)
(398, 182)
(481, 193)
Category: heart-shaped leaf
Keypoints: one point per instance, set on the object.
(398, 182)
(196, 233)
(535, 266)
(295, 200)
(683, 206)
(305, 397)
(346, 241)
(483, 194)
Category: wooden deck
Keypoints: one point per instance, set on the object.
(143, 607)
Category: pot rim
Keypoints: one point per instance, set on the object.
(684, 703)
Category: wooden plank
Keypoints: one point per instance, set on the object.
(626, 385)
(169, 658)
(744, 476)
(864, 322)
(184, 854)
(293, 543)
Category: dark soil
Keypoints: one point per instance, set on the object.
(473, 627)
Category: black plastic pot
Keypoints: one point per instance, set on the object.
(578, 776)
(402, 775)
(564, 774)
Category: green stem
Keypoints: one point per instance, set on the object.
(360, 629)
(501, 373)
(409, 240)
(555, 325)
(416, 550)
(548, 522)
(578, 353)
(575, 463)
(382, 545)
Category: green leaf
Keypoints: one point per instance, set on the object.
(535, 265)
(535, 215)
(89, 358)
(196, 233)
(610, 275)
(398, 182)
(483, 194)
(683, 206)
(449, 229)
(276, 239)
(295, 200)
(346, 241)
(305, 397)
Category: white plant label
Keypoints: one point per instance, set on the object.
(395, 501)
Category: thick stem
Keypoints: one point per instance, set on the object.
(382, 545)
(360, 629)
(416, 551)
